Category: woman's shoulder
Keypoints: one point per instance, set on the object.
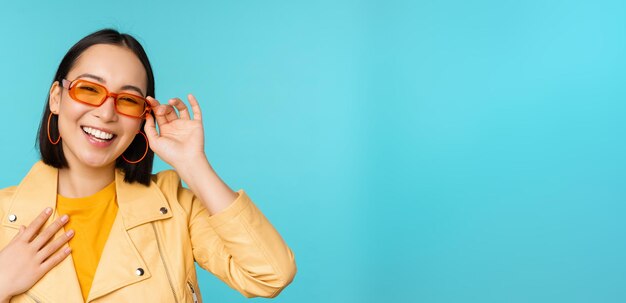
(170, 185)
(165, 178)
(169, 182)
(6, 193)
(5, 199)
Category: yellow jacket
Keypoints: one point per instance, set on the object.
(158, 233)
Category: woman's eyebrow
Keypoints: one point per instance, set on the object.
(101, 80)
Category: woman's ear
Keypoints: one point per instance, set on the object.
(55, 97)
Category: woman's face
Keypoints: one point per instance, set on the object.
(115, 68)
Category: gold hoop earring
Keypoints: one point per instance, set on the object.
(144, 153)
(49, 137)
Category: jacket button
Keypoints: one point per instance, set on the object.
(139, 271)
(163, 210)
(12, 218)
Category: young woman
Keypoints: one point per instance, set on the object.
(91, 223)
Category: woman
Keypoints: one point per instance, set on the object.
(91, 223)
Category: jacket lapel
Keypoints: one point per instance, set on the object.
(121, 263)
(120, 259)
(37, 191)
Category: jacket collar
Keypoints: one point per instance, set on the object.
(138, 204)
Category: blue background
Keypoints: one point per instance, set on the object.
(408, 151)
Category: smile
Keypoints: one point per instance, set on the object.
(98, 134)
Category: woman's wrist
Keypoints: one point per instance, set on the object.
(204, 182)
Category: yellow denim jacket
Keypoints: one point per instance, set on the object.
(158, 233)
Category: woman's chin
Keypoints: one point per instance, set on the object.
(97, 162)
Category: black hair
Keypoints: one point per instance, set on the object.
(52, 154)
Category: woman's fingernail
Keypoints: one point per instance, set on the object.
(48, 210)
(64, 218)
(68, 250)
(70, 233)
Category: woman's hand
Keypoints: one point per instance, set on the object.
(31, 254)
(180, 138)
(180, 143)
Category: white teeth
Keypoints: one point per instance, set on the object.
(97, 133)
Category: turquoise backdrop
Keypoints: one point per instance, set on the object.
(408, 151)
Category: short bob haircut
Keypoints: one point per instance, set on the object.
(52, 154)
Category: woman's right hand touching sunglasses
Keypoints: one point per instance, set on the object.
(31, 254)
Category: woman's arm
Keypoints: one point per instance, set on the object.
(229, 234)
(206, 184)
(238, 244)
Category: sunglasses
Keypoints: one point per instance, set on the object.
(95, 94)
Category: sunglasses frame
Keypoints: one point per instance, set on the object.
(69, 85)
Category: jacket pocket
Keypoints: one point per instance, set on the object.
(192, 292)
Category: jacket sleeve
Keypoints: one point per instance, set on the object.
(239, 245)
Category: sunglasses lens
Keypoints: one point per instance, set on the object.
(89, 93)
(131, 105)
(94, 94)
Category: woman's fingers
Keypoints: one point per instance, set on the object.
(165, 113)
(19, 234)
(22, 230)
(55, 259)
(157, 110)
(152, 102)
(36, 224)
(55, 244)
(162, 111)
(167, 110)
(181, 107)
(23, 262)
(49, 232)
(150, 128)
(169, 113)
(195, 106)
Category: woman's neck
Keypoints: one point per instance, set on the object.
(83, 181)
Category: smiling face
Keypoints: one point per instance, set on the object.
(97, 136)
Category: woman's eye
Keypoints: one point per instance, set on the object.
(129, 100)
(88, 88)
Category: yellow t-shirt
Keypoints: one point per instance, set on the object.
(91, 219)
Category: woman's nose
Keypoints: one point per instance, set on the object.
(106, 111)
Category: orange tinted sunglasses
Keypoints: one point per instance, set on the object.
(95, 94)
